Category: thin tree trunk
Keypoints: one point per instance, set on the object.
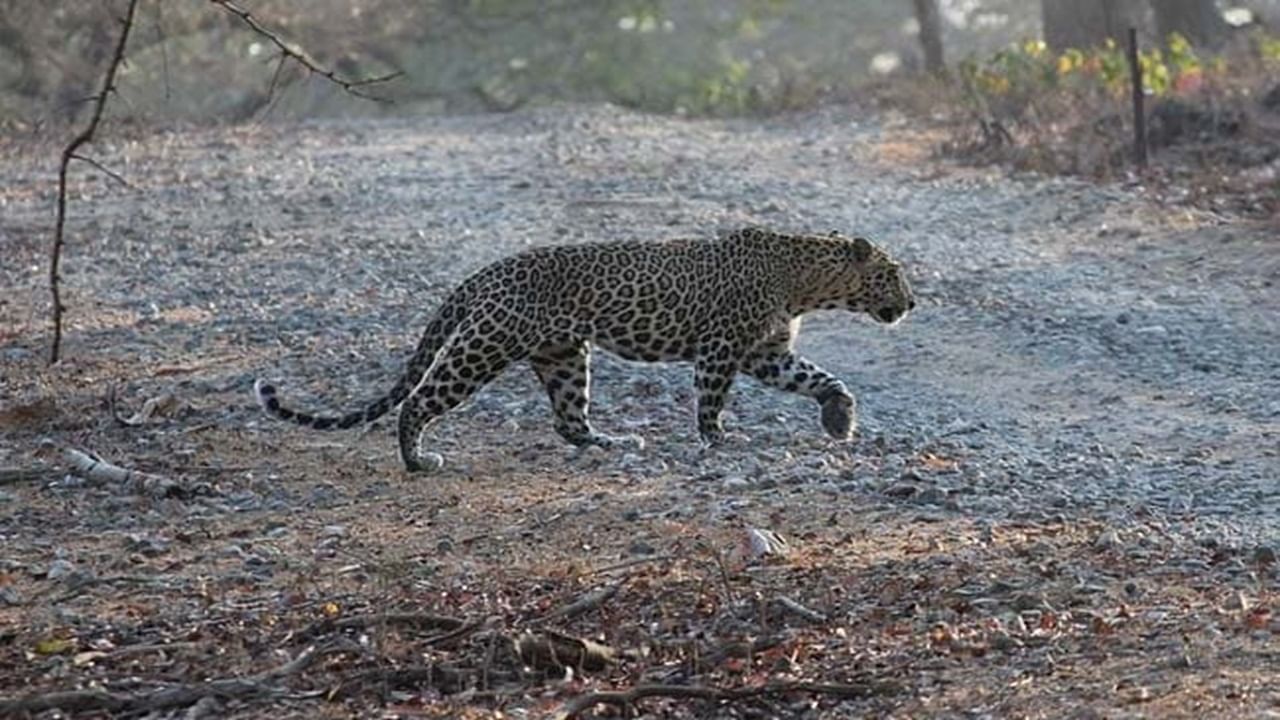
(69, 154)
(1088, 23)
(931, 35)
(1197, 20)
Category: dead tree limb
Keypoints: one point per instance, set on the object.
(585, 603)
(68, 154)
(428, 621)
(300, 56)
(800, 610)
(237, 688)
(627, 698)
(445, 678)
(94, 469)
(11, 476)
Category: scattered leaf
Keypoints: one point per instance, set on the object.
(938, 463)
(54, 646)
(87, 657)
(1257, 618)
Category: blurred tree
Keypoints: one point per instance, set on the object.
(1199, 21)
(1089, 23)
(931, 35)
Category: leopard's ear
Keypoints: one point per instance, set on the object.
(861, 249)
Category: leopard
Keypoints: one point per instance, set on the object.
(730, 304)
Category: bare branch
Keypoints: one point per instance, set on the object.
(85, 136)
(421, 620)
(627, 698)
(587, 602)
(234, 688)
(800, 610)
(103, 169)
(300, 56)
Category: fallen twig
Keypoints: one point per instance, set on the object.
(627, 698)
(13, 476)
(585, 603)
(95, 469)
(128, 650)
(236, 688)
(423, 620)
(68, 154)
(630, 563)
(799, 610)
(445, 678)
(79, 587)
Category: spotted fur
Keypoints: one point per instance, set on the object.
(729, 305)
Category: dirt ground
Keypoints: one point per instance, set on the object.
(1063, 501)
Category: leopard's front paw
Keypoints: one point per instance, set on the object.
(840, 417)
(630, 441)
(709, 438)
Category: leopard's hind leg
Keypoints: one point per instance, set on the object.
(470, 360)
(564, 368)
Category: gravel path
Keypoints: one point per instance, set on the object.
(1064, 493)
(1077, 350)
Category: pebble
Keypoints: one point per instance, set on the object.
(146, 545)
(1107, 540)
(59, 569)
(931, 496)
(640, 547)
(901, 490)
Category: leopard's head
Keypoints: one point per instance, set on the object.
(887, 296)
(871, 281)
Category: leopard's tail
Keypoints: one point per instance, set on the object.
(433, 339)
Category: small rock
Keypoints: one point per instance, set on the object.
(1003, 641)
(1238, 601)
(735, 483)
(334, 531)
(640, 547)
(931, 496)
(1027, 601)
(1264, 555)
(59, 569)
(148, 546)
(245, 500)
(1108, 540)
(901, 490)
